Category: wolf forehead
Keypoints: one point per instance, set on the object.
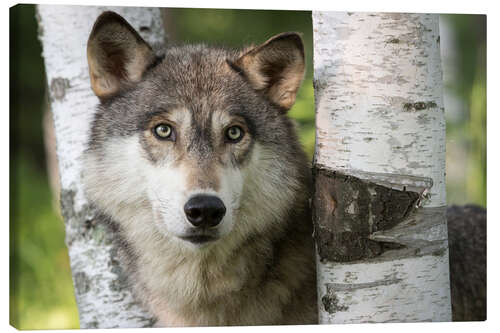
(195, 74)
(258, 84)
(192, 79)
(198, 79)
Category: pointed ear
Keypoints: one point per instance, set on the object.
(276, 68)
(117, 55)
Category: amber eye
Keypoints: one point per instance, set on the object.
(234, 134)
(163, 131)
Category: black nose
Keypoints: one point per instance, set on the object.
(204, 210)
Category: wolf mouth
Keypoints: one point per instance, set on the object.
(199, 239)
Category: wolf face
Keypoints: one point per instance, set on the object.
(183, 133)
(196, 165)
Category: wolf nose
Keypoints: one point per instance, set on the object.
(204, 210)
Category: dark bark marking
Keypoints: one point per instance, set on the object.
(82, 283)
(67, 204)
(120, 282)
(92, 324)
(347, 210)
(331, 303)
(418, 106)
(83, 223)
(58, 87)
(393, 41)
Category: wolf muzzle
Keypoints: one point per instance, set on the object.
(204, 211)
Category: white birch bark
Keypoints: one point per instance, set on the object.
(103, 299)
(380, 119)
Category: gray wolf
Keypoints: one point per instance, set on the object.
(193, 158)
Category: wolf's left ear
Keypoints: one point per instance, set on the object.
(275, 68)
(117, 55)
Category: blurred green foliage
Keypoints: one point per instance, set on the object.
(41, 286)
(41, 291)
(466, 131)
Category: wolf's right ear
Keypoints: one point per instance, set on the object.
(275, 68)
(117, 55)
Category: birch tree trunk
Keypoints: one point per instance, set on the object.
(102, 297)
(380, 153)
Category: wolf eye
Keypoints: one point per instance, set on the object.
(234, 134)
(163, 131)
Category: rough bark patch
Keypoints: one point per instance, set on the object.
(347, 210)
(331, 303)
(58, 87)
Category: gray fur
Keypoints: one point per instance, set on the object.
(263, 271)
(467, 242)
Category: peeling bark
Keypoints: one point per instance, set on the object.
(379, 202)
(103, 298)
(347, 210)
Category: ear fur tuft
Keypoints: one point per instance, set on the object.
(276, 68)
(117, 55)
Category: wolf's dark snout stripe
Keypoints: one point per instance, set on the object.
(204, 210)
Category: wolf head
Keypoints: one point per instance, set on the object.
(192, 143)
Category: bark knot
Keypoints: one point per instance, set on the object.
(58, 87)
